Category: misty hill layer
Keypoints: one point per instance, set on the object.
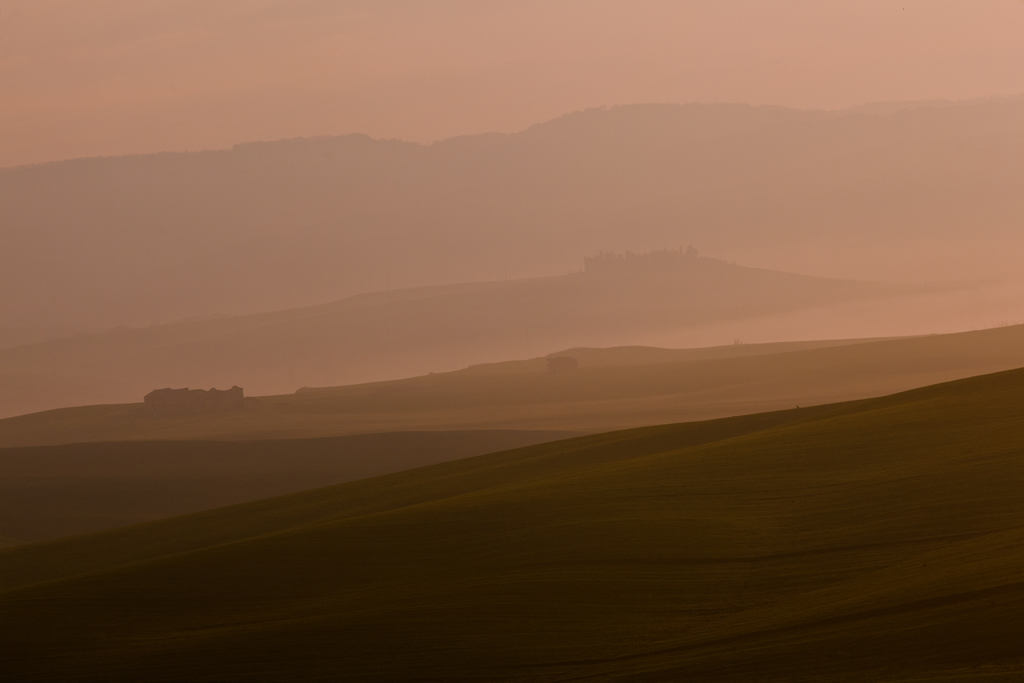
(388, 335)
(879, 540)
(94, 243)
(613, 388)
(56, 491)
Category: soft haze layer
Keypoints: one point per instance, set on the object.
(925, 193)
(116, 76)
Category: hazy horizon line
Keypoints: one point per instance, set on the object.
(904, 104)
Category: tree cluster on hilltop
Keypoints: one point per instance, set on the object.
(662, 259)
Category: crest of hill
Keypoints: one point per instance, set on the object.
(878, 541)
(56, 491)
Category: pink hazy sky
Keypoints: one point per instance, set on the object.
(101, 77)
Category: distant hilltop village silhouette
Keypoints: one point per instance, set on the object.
(663, 259)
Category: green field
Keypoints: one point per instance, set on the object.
(48, 492)
(614, 388)
(880, 540)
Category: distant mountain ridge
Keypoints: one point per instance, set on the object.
(95, 243)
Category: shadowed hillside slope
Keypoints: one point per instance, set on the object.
(880, 540)
(50, 492)
(409, 332)
(922, 192)
(613, 388)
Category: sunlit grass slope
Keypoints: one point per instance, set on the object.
(879, 540)
(614, 388)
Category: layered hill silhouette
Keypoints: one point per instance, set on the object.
(393, 334)
(878, 540)
(56, 491)
(93, 243)
(613, 388)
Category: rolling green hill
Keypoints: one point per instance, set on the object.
(614, 388)
(880, 540)
(48, 492)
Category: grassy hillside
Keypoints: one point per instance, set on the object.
(389, 335)
(614, 388)
(55, 491)
(879, 540)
